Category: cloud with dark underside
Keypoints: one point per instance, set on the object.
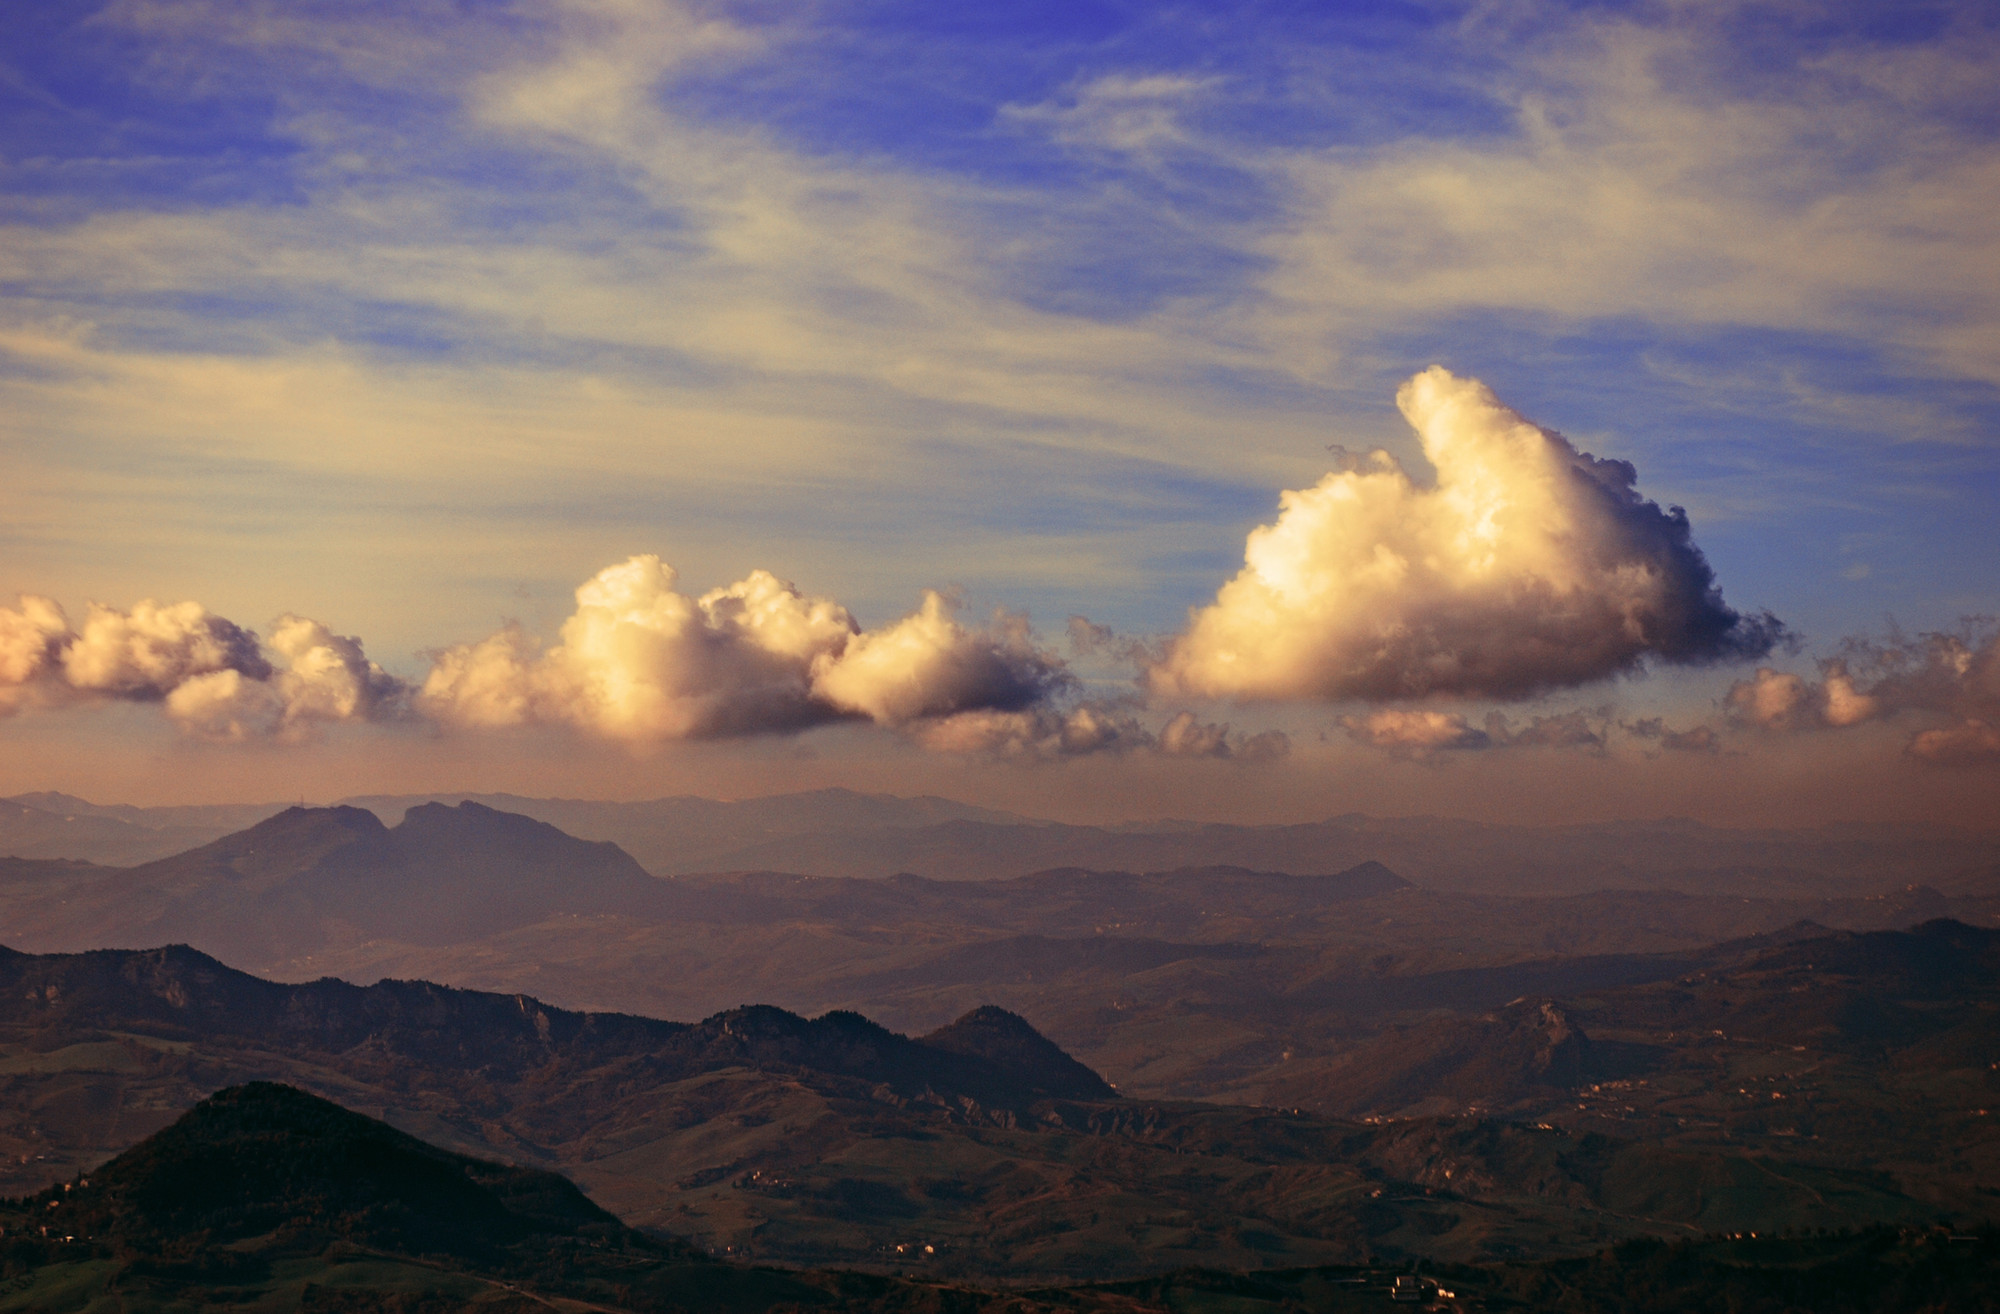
(1527, 566)
(1424, 733)
(641, 661)
(637, 661)
(1091, 729)
(1415, 733)
(214, 678)
(1949, 679)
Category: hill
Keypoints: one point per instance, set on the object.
(837, 832)
(311, 877)
(1180, 983)
(264, 1195)
(835, 1141)
(42, 826)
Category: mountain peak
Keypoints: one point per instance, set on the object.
(1007, 1040)
(281, 845)
(303, 830)
(255, 1159)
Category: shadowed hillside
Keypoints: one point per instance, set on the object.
(758, 1133)
(265, 1197)
(266, 1194)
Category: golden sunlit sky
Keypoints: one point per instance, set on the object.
(1538, 412)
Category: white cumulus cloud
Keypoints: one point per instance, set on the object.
(641, 661)
(1528, 566)
(928, 665)
(326, 678)
(212, 676)
(149, 651)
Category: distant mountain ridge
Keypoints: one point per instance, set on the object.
(31, 831)
(173, 817)
(989, 1056)
(838, 832)
(313, 876)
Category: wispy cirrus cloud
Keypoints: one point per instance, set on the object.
(531, 287)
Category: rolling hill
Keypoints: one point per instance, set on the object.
(762, 1134)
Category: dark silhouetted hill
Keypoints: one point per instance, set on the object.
(263, 1193)
(990, 1057)
(1003, 1040)
(254, 1159)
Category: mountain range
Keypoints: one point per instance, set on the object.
(1708, 1101)
(263, 1196)
(1205, 982)
(838, 832)
(1227, 1066)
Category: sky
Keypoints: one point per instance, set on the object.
(1539, 412)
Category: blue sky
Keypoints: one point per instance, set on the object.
(408, 318)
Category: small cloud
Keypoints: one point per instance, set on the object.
(1970, 743)
(1088, 639)
(1185, 735)
(1562, 730)
(1696, 739)
(1946, 671)
(1119, 112)
(1416, 734)
(1946, 674)
(1092, 728)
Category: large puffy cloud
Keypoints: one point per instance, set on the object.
(326, 678)
(1953, 676)
(148, 652)
(212, 676)
(1528, 566)
(639, 660)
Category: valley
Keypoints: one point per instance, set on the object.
(1067, 1077)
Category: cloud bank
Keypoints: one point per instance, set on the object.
(1947, 676)
(1529, 566)
(1422, 733)
(638, 661)
(643, 662)
(1090, 728)
(213, 677)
